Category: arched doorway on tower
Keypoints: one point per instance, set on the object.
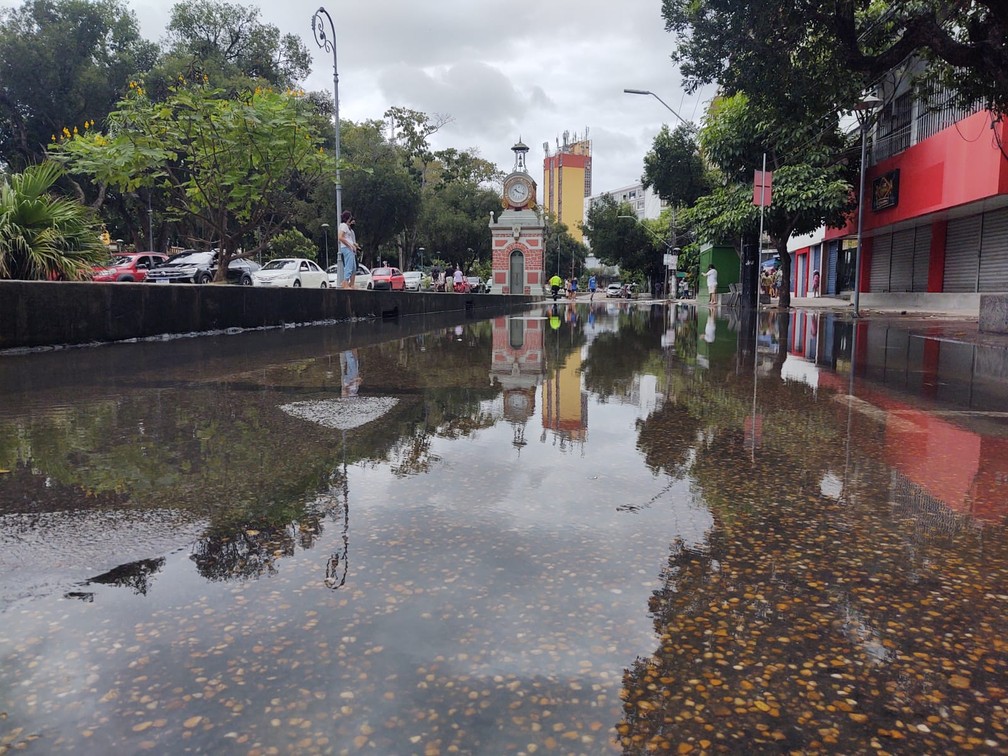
(516, 272)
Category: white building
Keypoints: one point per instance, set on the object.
(645, 203)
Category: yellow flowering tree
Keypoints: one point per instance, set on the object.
(231, 165)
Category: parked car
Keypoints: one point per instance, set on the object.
(414, 280)
(614, 290)
(193, 266)
(475, 284)
(362, 278)
(296, 272)
(128, 266)
(387, 278)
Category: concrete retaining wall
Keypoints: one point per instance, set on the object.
(954, 304)
(49, 313)
(993, 313)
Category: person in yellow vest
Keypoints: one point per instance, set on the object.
(555, 283)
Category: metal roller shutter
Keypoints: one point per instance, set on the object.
(881, 259)
(831, 267)
(901, 272)
(962, 255)
(921, 258)
(994, 251)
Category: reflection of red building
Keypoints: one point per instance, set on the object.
(517, 364)
(963, 469)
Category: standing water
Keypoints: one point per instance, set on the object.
(581, 530)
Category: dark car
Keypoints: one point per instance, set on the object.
(128, 266)
(194, 266)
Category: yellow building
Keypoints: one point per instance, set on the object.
(567, 181)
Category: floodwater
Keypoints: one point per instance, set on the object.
(605, 529)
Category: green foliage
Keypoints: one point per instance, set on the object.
(43, 236)
(819, 55)
(62, 62)
(235, 165)
(674, 167)
(228, 43)
(292, 243)
(454, 221)
(562, 249)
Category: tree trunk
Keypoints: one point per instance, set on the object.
(750, 272)
(784, 296)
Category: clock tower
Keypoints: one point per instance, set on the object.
(517, 234)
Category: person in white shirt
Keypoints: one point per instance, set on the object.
(348, 248)
(712, 283)
(458, 279)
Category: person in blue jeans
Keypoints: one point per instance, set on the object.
(348, 248)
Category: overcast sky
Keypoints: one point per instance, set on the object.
(500, 71)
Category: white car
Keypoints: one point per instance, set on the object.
(414, 280)
(291, 271)
(614, 290)
(362, 278)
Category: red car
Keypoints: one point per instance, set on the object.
(387, 278)
(128, 266)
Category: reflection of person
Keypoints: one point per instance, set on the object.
(555, 283)
(592, 286)
(348, 248)
(712, 283)
(709, 330)
(814, 291)
(350, 370)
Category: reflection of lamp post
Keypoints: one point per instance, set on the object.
(327, 41)
(325, 232)
(648, 92)
(864, 109)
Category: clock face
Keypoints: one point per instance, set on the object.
(518, 192)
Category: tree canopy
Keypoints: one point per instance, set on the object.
(234, 165)
(63, 62)
(821, 54)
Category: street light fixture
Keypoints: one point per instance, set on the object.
(325, 231)
(327, 41)
(649, 92)
(863, 110)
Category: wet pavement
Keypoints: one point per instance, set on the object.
(589, 529)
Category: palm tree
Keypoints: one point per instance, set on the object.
(43, 236)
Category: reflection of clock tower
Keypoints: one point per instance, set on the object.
(517, 235)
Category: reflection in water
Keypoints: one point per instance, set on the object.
(784, 532)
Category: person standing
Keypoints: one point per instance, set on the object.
(712, 283)
(573, 288)
(458, 279)
(592, 286)
(348, 248)
(815, 285)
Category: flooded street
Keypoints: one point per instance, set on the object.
(589, 529)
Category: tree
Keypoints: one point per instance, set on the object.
(44, 236)
(821, 54)
(292, 243)
(810, 186)
(674, 167)
(228, 43)
(377, 187)
(563, 251)
(62, 63)
(233, 165)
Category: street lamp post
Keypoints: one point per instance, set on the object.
(325, 232)
(327, 41)
(421, 251)
(649, 92)
(864, 109)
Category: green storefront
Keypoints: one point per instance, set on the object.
(725, 261)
